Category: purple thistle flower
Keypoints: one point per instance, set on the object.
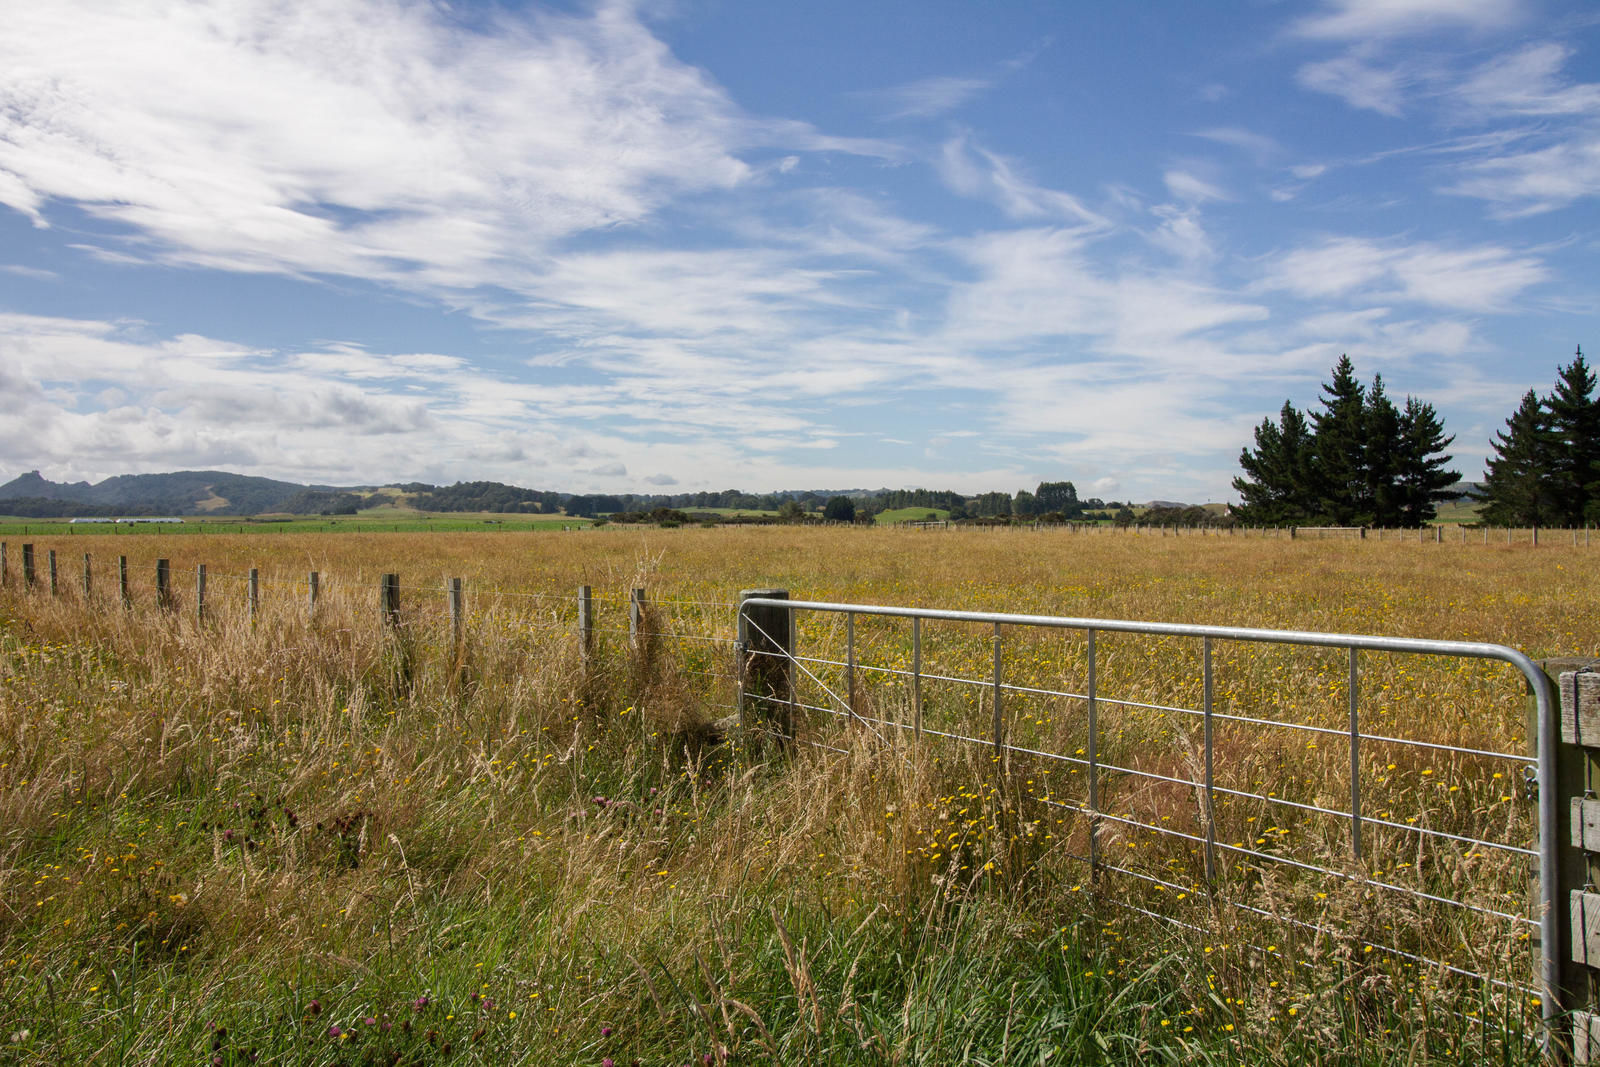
(334, 1031)
(606, 1031)
(608, 1062)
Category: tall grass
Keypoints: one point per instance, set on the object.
(309, 840)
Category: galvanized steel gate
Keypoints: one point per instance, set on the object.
(1122, 795)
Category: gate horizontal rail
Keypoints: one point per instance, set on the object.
(1552, 934)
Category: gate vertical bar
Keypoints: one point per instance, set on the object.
(1094, 765)
(999, 721)
(1355, 759)
(1211, 811)
(850, 660)
(916, 676)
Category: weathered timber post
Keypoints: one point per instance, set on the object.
(586, 623)
(766, 665)
(254, 594)
(50, 559)
(1292, 531)
(636, 618)
(311, 596)
(5, 566)
(200, 593)
(389, 602)
(1578, 839)
(164, 598)
(27, 567)
(88, 578)
(453, 592)
(122, 582)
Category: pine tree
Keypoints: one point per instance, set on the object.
(1276, 489)
(1573, 414)
(1517, 485)
(1340, 469)
(1421, 480)
(1384, 460)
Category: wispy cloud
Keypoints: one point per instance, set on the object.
(927, 97)
(1482, 278)
(1364, 20)
(974, 171)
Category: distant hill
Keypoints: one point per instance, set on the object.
(179, 493)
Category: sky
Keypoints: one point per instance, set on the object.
(673, 245)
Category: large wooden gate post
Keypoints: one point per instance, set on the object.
(766, 665)
(1578, 837)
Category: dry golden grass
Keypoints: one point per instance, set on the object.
(231, 820)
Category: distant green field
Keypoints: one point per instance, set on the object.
(377, 521)
(887, 518)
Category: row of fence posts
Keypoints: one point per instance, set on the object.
(388, 594)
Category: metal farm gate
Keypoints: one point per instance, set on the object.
(1311, 792)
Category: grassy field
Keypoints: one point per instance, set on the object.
(300, 840)
(896, 515)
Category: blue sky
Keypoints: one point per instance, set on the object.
(705, 244)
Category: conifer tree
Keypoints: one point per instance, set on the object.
(1358, 461)
(1517, 483)
(1340, 470)
(1276, 489)
(1574, 423)
(1384, 459)
(1421, 481)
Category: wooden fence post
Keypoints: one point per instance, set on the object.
(311, 596)
(122, 582)
(1578, 837)
(88, 578)
(255, 593)
(766, 664)
(5, 566)
(586, 622)
(164, 598)
(27, 566)
(454, 590)
(389, 602)
(636, 618)
(50, 558)
(200, 593)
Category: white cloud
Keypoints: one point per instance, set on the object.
(1364, 20)
(1358, 83)
(1187, 187)
(1528, 183)
(359, 137)
(928, 97)
(1481, 279)
(972, 171)
(1528, 82)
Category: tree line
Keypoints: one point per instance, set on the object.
(1546, 466)
(1360, 460)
